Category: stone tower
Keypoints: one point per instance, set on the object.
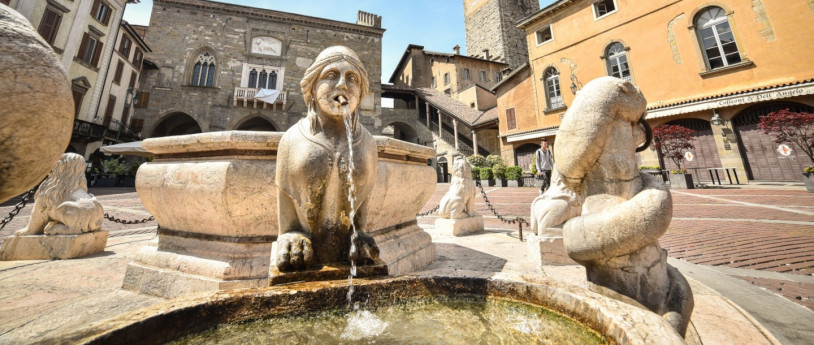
(491, 32)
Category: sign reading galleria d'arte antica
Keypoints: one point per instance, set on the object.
(748, 98)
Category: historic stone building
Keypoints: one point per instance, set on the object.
(714, 67)
(491, 29)
(209, 60)
(83, 33)
(449, 96)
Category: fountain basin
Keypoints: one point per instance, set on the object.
(215, 200)
(617, 322)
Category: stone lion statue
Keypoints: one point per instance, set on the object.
(459, 202)
(62, 204)
(317, 221)
(612, 214)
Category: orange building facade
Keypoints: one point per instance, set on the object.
(713, 66)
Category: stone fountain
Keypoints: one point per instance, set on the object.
(222, 200)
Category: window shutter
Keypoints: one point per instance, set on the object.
(95, 9)
(107, 15)
(82, 46)
(98, 51)
(132, 80)
(117, 78)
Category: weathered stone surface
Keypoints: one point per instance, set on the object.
(37, 106)
(459, 226)
(63, 205)
(613, 215)
(214, 197)
(459, 202)
(492, 25)
(181, 29)
(48, 247)
(547, 248)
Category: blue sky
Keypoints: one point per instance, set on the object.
(438, 25)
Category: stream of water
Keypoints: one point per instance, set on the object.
(348, 118)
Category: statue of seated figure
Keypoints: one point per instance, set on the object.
(316, 217)
(62, 204)
(459, 202)
(613, 215)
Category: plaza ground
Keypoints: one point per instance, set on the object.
(750, 244)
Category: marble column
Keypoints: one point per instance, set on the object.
(440, 124)
(428, 114)
(455, 130)
(474, 142)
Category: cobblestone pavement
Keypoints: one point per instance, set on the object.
(764, 236)
(753, 229)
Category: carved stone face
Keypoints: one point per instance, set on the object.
(337, 79)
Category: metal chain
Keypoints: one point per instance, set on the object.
(122, 221)
(17, 208)
(516, 220)
(423, 214)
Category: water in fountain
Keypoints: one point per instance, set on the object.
(438, 320)
(348, 118)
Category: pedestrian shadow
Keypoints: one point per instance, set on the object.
(451, 258)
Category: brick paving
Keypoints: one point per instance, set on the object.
(757, 229)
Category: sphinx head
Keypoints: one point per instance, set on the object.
(334, 81)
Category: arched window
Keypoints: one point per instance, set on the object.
(616, 58)
(273, 80)
(551, 80)
(263, 79)
(716, 38)
(203, 72)
(253, 78)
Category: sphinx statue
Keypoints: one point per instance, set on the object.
(62, 207)
(456, 212)
(318, 223)
(459, 202)
(613, 215)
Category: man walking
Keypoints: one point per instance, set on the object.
(544, 161)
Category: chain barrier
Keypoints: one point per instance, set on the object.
(122, 221)
(516, 220)
(423, 214)
(19, 207)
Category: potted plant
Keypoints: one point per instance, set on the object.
(486, 177)
(808, 176)
(499, 171)
(795, 128)
(672, 141)
(680, 179)
(514, 175)
(475, 173)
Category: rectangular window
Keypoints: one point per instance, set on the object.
(544, 35)
(126, 115)
(133, 77)
(603, 8)
(111, 104)
(466, 74)
(511, 121)
(89, 50)
(117, 77)
(433, 81)
(446, 78)
(50, 25)
(124, 47)
(137, 58)
(101, 11)
(483, 76)
(143, 100)
(498, 76)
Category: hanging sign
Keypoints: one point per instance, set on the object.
(784, 150)
(689, 156)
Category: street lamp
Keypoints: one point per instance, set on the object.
(716, 118)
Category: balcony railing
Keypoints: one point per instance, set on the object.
(245, 97)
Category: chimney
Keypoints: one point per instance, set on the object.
(486, 54)
(369, 19)
(457, 49)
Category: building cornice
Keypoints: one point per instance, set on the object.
(543, 13)
(278, 16)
